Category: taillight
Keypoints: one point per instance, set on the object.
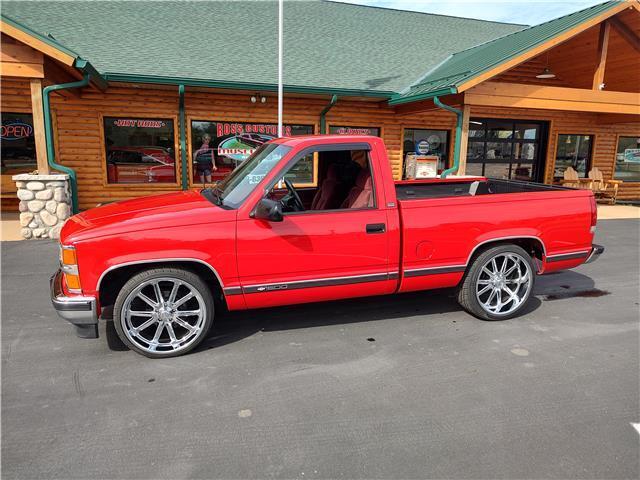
(594, 213)
(69, 267)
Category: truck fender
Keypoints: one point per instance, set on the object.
(500, 239)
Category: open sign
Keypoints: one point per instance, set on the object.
(16, 131)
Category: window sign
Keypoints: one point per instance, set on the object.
(628, 159)
(140, 150)
(18, 143)
(426, 142)
(423, 147)
(219, 147)
(631, 155)
(337, 130)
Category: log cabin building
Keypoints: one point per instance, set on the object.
(133, 98)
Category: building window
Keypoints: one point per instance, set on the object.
(426, 142)
(343, 130)
(17, 144)
(573, 151)
(628, 159)
(140, 150)
(506, 149)
(219, 147)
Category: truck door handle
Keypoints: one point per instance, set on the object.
(376, 228)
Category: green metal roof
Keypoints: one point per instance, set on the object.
(329, 46)
(467, 64)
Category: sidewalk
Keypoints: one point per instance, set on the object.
(10, 225)
(616, 212)
(10, 222)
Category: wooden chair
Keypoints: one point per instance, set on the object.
(603, 189)
(571, 179)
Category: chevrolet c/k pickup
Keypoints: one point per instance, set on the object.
(309, 219)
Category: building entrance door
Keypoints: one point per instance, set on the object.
(510, 149)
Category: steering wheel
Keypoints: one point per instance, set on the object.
(296, 198)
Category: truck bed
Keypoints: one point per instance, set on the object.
(469, 187)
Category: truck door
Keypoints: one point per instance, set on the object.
(334, 244)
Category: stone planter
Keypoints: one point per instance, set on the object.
(45, 204)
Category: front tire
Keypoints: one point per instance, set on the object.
(163, 312)
(498, 284)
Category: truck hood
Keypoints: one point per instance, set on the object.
(168, 210)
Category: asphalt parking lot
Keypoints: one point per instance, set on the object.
(394, 387)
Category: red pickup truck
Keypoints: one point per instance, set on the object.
(162, 265)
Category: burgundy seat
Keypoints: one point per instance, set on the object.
(361, 194)
(327, 196)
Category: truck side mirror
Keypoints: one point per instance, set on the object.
(268, 209)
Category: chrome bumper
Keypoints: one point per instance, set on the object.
(81, 311)
(596, 251)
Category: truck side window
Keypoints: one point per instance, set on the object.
(344, 182)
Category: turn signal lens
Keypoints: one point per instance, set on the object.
(73, 281)
(69, 266)
(69, 256)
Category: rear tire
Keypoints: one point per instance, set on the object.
(163, 312)
(498, 284)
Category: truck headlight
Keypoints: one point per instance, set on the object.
(69, 267)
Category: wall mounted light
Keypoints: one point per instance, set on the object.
(257, 97)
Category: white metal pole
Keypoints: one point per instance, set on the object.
(280, 48)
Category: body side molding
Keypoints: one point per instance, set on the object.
(158, 260)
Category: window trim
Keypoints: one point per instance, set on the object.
(142, 186)
(615, 155)
(329, 147)
(202, 118)
(592, 149)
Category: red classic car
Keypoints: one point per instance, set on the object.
(140, 165)
(163, 265)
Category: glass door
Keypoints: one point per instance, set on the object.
(509, 149)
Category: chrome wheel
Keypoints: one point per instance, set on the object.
(504, 283)
(163, 315)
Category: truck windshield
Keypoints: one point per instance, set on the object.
(234, 189)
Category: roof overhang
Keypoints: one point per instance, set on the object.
(507, 63)
(535, 50)
(51, 48)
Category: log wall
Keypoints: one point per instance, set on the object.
(80, 144)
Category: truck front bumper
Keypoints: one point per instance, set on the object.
(80, 311)
(596, 251)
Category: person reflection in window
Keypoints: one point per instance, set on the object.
(204, 159)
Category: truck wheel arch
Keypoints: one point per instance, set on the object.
(114, 277)
(531, 244)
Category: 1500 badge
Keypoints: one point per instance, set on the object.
(271, 288)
